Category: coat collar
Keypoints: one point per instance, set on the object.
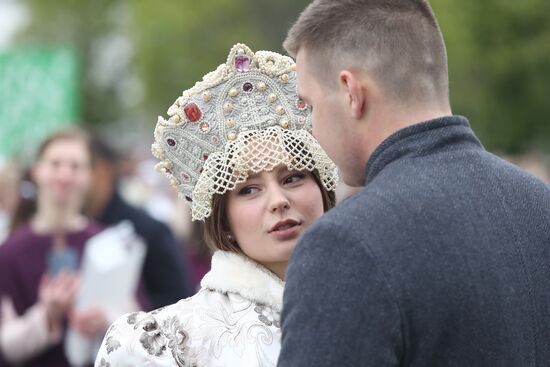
(428, 137)
(236, 273)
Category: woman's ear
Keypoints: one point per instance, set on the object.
(353, 87)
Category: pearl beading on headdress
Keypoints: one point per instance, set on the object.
(243, 117)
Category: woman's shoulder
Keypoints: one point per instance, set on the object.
(156, 337)
(189, 312)
(232, 320)
(18, 241)
(134, 323)
(211, 326)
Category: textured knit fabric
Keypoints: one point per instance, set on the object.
(443, 259)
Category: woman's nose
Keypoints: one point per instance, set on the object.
(278, 200)
(65, 173)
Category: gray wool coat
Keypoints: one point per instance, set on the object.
(443, 259)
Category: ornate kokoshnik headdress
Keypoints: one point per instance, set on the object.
(243, 117)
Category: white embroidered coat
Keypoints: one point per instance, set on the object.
(232, 321)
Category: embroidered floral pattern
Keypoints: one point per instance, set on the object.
(268, 316)
(132, 318)
(103, 363)
(111, 329)
(178, 339)
(152, 339)
(111, 344)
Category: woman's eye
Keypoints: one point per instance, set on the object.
(294, 178)
(248, 190)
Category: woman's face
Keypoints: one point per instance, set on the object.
(268, 212)
(63, 172)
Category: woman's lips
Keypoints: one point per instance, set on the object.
(286, 231)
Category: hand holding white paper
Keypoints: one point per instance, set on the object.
(111, 267)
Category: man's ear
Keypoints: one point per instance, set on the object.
(356, 95)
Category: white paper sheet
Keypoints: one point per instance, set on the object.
(110, 271)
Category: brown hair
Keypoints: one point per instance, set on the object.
(398, 42)
(27, 205)
(216, 226)
(72, 134)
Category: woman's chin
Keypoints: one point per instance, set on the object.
(65, 201)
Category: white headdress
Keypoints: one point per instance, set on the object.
(243, 117)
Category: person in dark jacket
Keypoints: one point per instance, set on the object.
(165, 276)
(443, 257)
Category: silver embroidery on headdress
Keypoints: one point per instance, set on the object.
(243, 117)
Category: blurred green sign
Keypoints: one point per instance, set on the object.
(39, 93)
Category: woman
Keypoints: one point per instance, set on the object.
(38, 261)
(237, 147)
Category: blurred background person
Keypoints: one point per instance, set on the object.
(165, 275)
(39, 260)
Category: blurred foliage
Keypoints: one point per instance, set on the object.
(177, 42)
(80, 25)
(499, 65)
(137, 56)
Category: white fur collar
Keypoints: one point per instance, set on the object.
(236, 273)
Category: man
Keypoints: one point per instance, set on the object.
(164, 275)
(443, 258)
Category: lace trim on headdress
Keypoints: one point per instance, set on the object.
(257, 151)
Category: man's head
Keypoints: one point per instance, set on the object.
(105, 176)
(368, 68)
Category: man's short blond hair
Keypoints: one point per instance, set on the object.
(397, 42)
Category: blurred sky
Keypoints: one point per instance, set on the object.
(13, 15)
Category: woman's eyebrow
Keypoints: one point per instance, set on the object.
(253, 176)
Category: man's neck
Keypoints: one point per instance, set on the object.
(98, 203)
(386, 123)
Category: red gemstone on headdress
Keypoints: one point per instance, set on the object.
(205, 156)
(301, 104)
(242, 63)
(193, 112)
(185, 177)
(171, 142)
(247, 87)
